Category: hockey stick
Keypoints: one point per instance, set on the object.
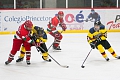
(64, 66)
(50, 55)
(49, 46)
(86, 58)
(55, 60)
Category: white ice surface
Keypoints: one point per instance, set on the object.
(74, 50)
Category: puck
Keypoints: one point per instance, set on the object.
(82, 66)
(67, 66)
(49, 60)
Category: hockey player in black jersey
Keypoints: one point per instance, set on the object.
(97, 39)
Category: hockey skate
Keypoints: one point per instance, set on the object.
(118, 57)
(56, 48)
(45, 57)
(49, 60)
(19, 59)
(28, 62)
(7, 62)
(107, 59)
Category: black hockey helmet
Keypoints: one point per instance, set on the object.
(40, 31)
(97, 23)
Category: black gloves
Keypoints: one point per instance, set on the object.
(92, 45)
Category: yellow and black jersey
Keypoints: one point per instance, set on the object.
(42, 38)
(93, 35)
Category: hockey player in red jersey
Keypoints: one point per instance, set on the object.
(56, 21)
(22, 36)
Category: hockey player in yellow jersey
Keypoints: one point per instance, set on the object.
(97, 39)
(40, 37)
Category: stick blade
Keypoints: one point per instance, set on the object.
(83, 66)
(65, 66)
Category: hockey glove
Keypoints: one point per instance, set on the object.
(34, 37)
(92, 45)
(24, 38)
(31, 42)
(63, 26)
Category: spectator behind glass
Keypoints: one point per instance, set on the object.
(1, 5)
(32, 4)
(19, 4)
(107, 3)
(26, 5)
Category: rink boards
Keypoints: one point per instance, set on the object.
(75, 19)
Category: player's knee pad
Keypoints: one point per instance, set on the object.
(100, 48)
(110, 50)
(13, 52)
(16, 44)
(27, 46)
(59, 37)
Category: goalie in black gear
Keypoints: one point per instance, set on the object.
(40, 37)
(97, 39)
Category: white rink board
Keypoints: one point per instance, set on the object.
(11, 19)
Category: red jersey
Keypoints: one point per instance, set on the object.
(23, 32)
(54, 23)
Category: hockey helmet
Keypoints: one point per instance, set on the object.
(61, 13)
(97, 23)
(40, 31)
(28, 24)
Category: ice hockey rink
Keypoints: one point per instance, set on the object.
(74, 50)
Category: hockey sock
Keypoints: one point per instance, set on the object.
(102, 51)
(112, 52)
(28, 55)
(104, 55)
(11, 57)
(22, 54)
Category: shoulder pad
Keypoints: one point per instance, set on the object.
(92, 30)
(102, 27)
(36, 27)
